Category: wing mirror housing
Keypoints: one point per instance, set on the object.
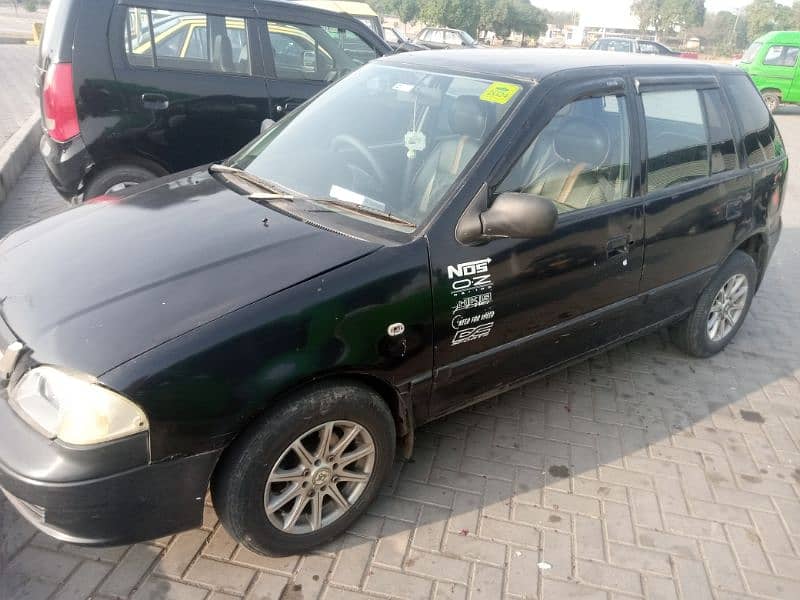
(511, 215)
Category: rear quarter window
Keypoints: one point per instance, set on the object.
(761, 138)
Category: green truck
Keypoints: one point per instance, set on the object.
(771, 61)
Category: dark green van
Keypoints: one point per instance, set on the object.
(771, 61)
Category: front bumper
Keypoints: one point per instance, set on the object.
(95, 496)
(67, 164)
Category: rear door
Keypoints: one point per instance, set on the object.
(698, 192)
(191, 77)
(306, 50)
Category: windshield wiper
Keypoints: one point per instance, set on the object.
(272, 188)
(360, 208)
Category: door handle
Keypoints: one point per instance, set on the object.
(618, 246)
(155, 101)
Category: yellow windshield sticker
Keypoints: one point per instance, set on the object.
(499, 92)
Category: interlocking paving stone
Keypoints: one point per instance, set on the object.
(668, 478)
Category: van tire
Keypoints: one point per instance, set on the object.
(692, 334)
(241, 488)
(106, 179)
(772, 100)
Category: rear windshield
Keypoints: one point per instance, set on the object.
(751, 52)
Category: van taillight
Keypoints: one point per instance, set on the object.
(58, 103)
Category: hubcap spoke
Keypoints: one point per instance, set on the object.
(727, 308)
(314, 468)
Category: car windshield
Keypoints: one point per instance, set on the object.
(388, 139)
(751, 52)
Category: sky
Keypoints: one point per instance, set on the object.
(623, 5)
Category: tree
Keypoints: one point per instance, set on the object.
(665, 17)
(767, 15)
(561, 17)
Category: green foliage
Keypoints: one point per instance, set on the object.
(767, 15)
(500, 16)
(665, 17)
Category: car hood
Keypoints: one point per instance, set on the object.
(98, 285)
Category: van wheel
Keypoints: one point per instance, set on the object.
(772, 100)
(721, 309)
(117, 179)
(304, 472)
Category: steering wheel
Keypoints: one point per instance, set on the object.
(344, 139)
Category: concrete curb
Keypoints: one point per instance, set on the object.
(16, 153)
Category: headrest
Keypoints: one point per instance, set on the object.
(582, 140)
(467, 116)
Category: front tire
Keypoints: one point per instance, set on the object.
(772, 100)
(721, 308)
(305, 471)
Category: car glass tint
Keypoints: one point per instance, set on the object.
(452, 38)
(781, 56)
(187, 41)
(723, 149)
(761, 138)
(580, 159)
(677, 144)
(316, 52)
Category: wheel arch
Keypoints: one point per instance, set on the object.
(756, 246)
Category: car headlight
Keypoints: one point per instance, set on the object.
(74, 407)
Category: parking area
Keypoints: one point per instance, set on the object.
(638, 474)
(18, 100)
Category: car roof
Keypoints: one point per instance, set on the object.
(538, 63)
(780, 37)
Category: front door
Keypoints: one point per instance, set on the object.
(507, 309)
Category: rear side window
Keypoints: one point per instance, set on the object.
(186, 41)
(677, 145)
(781, 56)
(761, 138)
(723, 149)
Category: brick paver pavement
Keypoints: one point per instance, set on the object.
(17, 93)
(641, 473)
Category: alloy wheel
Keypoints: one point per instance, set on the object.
(319, 477)
(727, 308)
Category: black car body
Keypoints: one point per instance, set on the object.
(558, 203)
(119, 107)
(440, 38)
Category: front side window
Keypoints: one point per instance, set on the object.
(316, 52)
(186, 41)
(437, 36)
(781, 56)
(620, 46)
(452, 38)
(677, 145)
(391, 36)
(581, 159)
(385, 138)
(761, 138)
(648, 48)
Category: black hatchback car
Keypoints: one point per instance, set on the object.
(434, 229)
(135, 89)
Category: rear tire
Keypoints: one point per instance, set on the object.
(772, 100)
(115, 179)
(326, 492)
(720, 310)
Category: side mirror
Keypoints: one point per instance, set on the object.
(511, 215)
(309, 61)
(266, 124)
